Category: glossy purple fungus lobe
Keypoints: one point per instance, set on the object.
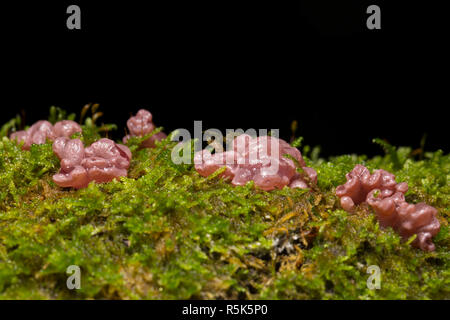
(101, 162)
(261, 159)
(387, 198)
(42, 130)
(405, 218)
(360, 182)
(140, 125)
(66, 128)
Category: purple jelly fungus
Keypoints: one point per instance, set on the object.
(42, 130)
(140, 125)
(387, 198)
(101, 162)
(260, 159)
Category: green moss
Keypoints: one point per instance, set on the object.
(165, 232)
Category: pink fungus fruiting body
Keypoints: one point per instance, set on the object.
(101, 162)
(387, 198)
(42, 130)
(140, 125)
(261, 159)
(360, 182)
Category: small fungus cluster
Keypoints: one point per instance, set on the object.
(387, 198)
(42, 130)
(261, 159)
(140, 125)
(101, 162)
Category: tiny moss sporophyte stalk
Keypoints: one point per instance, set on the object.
(163, 231)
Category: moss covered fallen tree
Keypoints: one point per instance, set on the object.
(165, 232)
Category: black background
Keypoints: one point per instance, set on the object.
(237, 64)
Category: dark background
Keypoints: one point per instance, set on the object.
(237, 64)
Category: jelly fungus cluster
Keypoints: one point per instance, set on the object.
(101, 162)
(261, 159)
(268, 161)
(387, 198)
(140, 125)
(42, 130)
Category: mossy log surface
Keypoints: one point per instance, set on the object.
(165, 232)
